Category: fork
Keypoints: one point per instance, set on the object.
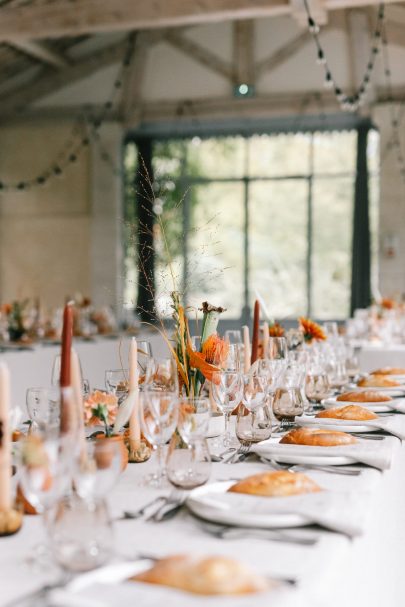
(134, 514)
(172, 504)
(239, 455)
(332, 469)
(274, 535)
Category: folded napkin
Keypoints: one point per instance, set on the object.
(377, 454)
(342, 512)
(394, 425)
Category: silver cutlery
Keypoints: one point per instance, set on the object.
(368, 436)
(325, 468)
(274, 535)
(239, 455)
(169, 509)
(134, 514)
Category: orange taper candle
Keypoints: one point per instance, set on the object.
(66, 400)
(255, 333)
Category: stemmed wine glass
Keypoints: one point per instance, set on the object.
(233, 337)
(227, 390)
(55, 376)
(43, 406)
(288, 399)
(158, 417)
(117, 382)
(97, 469)
(161, 375)
(277, 348)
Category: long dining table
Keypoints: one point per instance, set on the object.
(364, 571)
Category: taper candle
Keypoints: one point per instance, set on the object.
(265, 329)
(255, 333)
(134, 427)
(77, 386)
(246, 349)
(65, 378)
(5, 439)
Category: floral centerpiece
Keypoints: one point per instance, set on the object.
(14, 313)
(194, 367)
(276, 330)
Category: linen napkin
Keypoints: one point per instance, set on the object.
(342, 512)
(377, 454)
(394, 425)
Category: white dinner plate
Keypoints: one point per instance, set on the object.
(110, 574)
(376, 407)
(340, 425)
(202, 503)
(388, 391)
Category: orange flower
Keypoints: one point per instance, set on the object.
(5, 309)
(103, 399)
(387, 303)
(311, 330)
(197, 361)
(276, 330)
(215, 350)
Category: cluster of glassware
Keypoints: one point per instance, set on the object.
(377, 324)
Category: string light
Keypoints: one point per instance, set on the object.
(76, 142)
(347, 102)
(395, 139)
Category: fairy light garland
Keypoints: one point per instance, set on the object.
(351, 102)
(77, 140)
(395, 119)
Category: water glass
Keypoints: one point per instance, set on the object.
(255, 392)
(97, 469)
(277, 348)
(233, 337)
(317, 388)
(227, 391)
(194, 418)
(188, 464)
(80, 534)
(289, 400)
(331, 330)
(162, 375)
(117, 382)
(253, 426)
(55, 375)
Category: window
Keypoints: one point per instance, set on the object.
(267, 213)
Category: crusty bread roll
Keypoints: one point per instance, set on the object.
(317, 437)
(350, 412)
(279, 483)
(378, 381)
(366, 396)
(389, 371)
(213, 575)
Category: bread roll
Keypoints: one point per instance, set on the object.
(389, 371)
(280, 483)
(378, 381)
(215, 575)
(317, 437)
(350, 412)
(366, 396)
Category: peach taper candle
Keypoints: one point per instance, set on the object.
(246, 349)
(255, 333)
(134, 428)
(5, 440)
(265, 342)
(77, 386)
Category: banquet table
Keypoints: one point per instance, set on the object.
(336, 571)
(365, 571)
(376, 355)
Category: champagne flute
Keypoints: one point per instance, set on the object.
(227, 391)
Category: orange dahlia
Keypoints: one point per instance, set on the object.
(215, 350)
(311, 330)
(276, 330)
(387, 303)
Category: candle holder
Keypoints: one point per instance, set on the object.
(138, 453)
(11, 520)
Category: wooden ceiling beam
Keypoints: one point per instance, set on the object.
(198, 53)
(40, 51)
(243, 52)
(58, 19)
(132, 86)
(50, 81)
(282, 54)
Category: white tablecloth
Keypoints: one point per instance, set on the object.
(367, 571)
(375, 356)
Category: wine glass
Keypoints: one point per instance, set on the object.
(46, 469)
(288, 398)
(277, 348)
(254, 391)
(233, 337)
(188, 465)
(227, 391)
(43, 406)
(97, 469)
(234, 360)
(117, 382)
(194, 418)
(158, 417)
(55, 375)
(161, 375)
(144, 349)
(331, 329)
(337, 372)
